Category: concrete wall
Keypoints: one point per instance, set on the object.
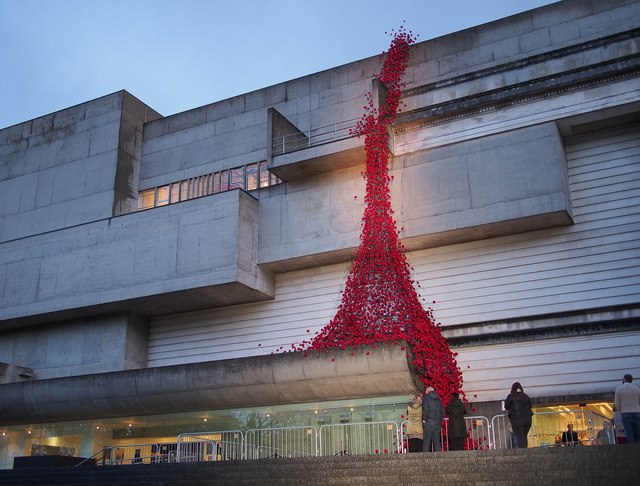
(72, 167)
(270, 380)
(501, 184)
(81, 347)
(137, 261)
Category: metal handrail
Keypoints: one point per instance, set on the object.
(313, 137)
(101, 451)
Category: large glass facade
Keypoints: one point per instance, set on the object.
(86, 437)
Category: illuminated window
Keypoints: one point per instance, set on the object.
(252, 177)
(162, 198)
(224, 180)
(264, 174)
(248, 177)
(237, 178)
(146, 199)
(175, 192)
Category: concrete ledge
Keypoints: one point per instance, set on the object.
(320, 158)
(188, 256)
(244, 382)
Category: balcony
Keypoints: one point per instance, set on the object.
(295, 154)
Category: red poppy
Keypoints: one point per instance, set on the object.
(380, 304)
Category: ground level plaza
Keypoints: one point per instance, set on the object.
(364, 426)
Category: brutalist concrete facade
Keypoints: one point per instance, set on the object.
(479, 154)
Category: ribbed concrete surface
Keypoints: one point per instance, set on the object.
(583, 466)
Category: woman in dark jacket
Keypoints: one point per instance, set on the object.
(518, 404)
(457, 428)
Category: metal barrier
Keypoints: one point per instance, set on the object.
(316, 136)
(299, 441)
(601, 430)
(546, 429)
(130, 454)
(502, 435)
(356, 439)
(479, 435)
(360, 438)
(210, 446)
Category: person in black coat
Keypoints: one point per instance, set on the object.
(432, 416)
(457, 428)
(518, 404)
(570, 436)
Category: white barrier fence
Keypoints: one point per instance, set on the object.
(210, 446)
(547, 428)
(130, 454)
(359, 439)
(281, 442)
(479, 435)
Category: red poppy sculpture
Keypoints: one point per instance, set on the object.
(380, 304)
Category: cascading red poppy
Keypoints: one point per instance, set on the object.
(380, 304)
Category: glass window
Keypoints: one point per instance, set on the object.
(162, 198)
(224, 180)
(184, 190)
(237, 178)
(264, 174)
(146, 199)
(175, 192)
(252, 177)
(249, 177)
(208, 188)
(273, 180)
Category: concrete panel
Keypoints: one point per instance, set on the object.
(94, 345)
(147, 255)
(260, 381)
(497, 185)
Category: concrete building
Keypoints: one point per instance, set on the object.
(152, 268)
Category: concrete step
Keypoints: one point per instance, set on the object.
(590, 466)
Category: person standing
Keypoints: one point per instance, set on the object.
(432, 415)
(414, 423)
(627, 401)
(570, 436)
(621, 437)
(518, 404)
(457, 429)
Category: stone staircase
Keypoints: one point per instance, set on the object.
(578, 466)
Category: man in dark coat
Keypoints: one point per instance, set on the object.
(457, 428)
(432, 415)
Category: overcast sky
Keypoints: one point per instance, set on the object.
(175, 55)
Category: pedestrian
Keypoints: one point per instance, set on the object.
(432, 416)
(457, 428)
(627, 401)
(570, 436)
(414, 423)
(518, 404)
(621, 437)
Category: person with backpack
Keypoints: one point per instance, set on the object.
(518, 404)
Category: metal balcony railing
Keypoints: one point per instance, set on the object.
(314, 137)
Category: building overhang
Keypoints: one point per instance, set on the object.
(295, 377)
